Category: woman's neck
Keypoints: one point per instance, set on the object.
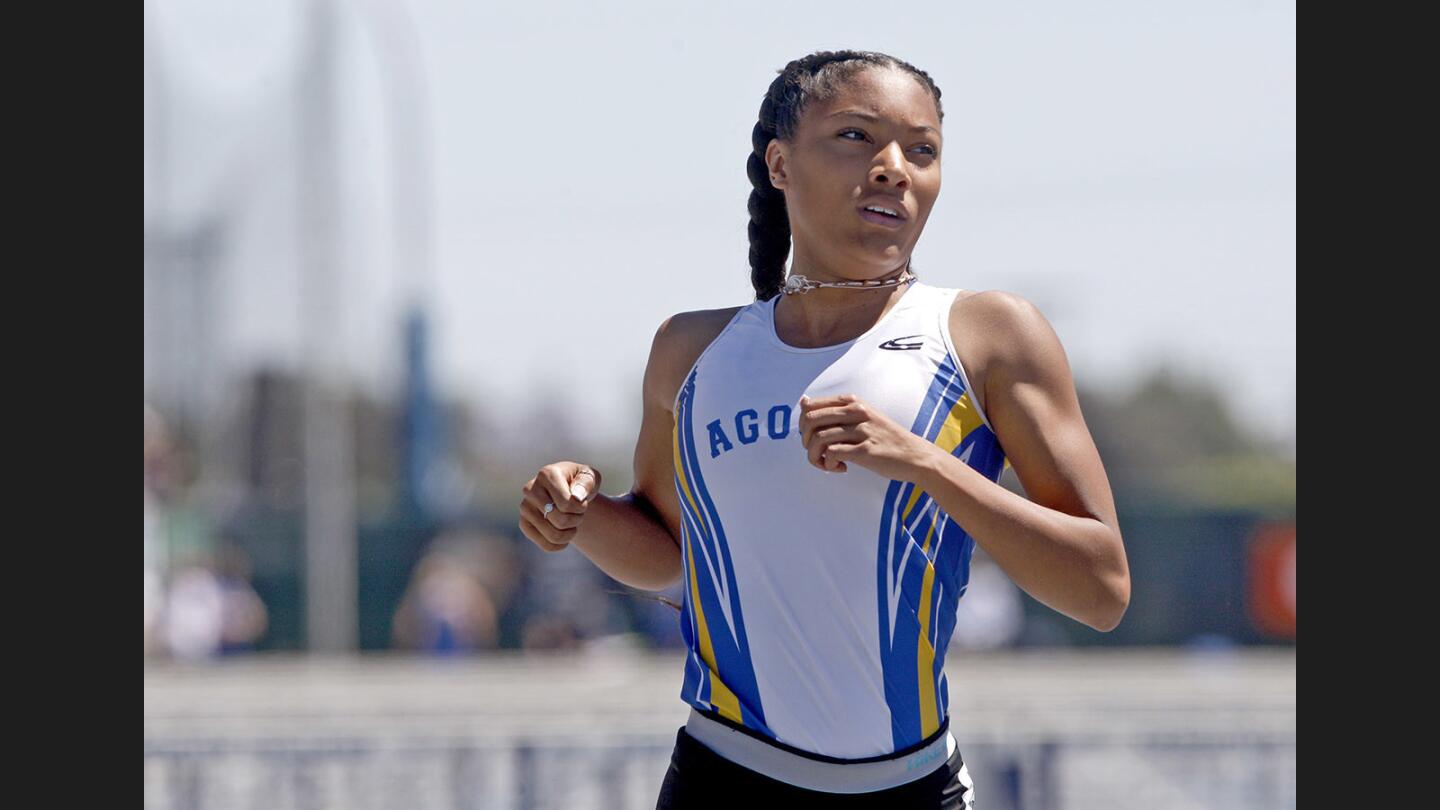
(826, 315)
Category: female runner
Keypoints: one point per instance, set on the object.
(817, 466)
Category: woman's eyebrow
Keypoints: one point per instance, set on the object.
(875, 119)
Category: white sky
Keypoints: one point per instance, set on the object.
(1127, 166)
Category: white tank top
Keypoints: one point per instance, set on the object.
(818, 606)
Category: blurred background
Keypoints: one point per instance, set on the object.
(400, 255)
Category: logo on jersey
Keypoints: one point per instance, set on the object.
(921, 760)
(894, 344)
(748, 428)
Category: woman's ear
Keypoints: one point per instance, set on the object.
(775, 156)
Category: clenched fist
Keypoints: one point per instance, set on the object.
(554, 503)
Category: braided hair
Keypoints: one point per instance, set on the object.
(815, 77)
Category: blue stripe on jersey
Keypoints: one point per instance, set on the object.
(981, 451)
(696, 688)
(902, 562)
(709, 554)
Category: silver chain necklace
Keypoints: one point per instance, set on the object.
(799, 284)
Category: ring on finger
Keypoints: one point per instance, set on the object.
(549, 507)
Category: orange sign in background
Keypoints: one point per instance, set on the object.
(1271, 569)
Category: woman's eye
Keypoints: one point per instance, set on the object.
(930, 150)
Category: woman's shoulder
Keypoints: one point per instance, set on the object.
(1008, 319)
(994, 328)
(988, 312)
(697, 323)
(995, 307)
(680, 341)
(687, 333)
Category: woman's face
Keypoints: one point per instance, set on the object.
(877, 142)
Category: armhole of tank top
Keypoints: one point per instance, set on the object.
(948, 302)
(675, 404)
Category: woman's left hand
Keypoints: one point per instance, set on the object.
(840, 429)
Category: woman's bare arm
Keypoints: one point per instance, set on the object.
(635, 538)
(1063, 544)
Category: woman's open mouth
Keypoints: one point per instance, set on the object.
(870, 214)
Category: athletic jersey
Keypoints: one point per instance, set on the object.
(818, 606)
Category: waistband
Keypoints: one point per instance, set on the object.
(815, 773)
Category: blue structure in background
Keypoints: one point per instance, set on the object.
(422, 428)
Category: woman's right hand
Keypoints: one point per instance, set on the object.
(570, 487)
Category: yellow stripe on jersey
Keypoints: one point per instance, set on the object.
(721, 697)
(958, 423)
(961, 420)
(925, 659)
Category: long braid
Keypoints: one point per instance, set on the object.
(802, 81)
(769, 220)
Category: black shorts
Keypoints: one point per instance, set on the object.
(699, 779)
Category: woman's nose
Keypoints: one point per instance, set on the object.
(891, 166)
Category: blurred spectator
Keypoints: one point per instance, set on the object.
(456, 595)
(243, 615)
(496, 565)
(566, 604)
(194, 613)
(550, 632)
(210, 608)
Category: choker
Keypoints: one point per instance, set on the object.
(796, 283)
